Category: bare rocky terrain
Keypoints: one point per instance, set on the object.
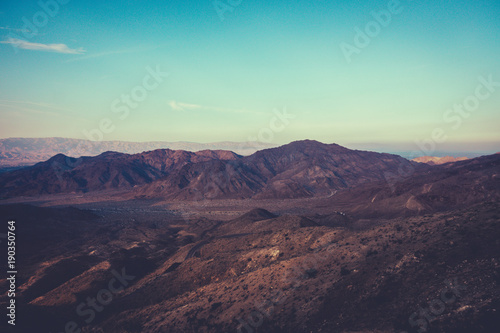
(365, 243)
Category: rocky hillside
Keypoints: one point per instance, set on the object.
(442, 187)
(439, 273)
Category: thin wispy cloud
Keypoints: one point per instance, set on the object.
(180, 106)
(41, 107)
(58, 48)
(14, 29)
(96, 55)
(30, 110)
(112, 52)
(41, 104)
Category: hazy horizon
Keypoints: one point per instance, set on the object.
(406, 149)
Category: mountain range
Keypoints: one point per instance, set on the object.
(364, 183)
(299, 169)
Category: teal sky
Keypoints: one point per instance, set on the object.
(226, 76)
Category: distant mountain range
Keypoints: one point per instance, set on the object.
(299, 169)
(432, 160)
(19, 152)
(370, 182)
(16, 152)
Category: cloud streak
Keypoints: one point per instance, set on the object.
(14, 29)
(180, 106)
(37, 107)
(58, 48)
(20, 108)
(112, 52)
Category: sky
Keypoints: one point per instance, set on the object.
(420, 73)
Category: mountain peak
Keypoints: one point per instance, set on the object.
(313, 144)
(305, 146)
(60, 158)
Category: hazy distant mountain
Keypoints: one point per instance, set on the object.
(28, 151)
(299, 169)
(432, 160)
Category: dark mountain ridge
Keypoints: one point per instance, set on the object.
(299, 169)
(109, 170)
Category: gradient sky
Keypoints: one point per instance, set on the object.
(227, 76)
